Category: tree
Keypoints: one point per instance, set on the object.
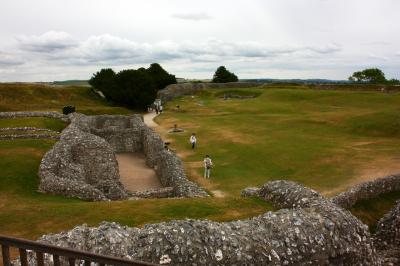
(222, 75)
(370, 75)
(104, 80)
(135, 89)
(161, 77)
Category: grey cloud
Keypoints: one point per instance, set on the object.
(398, 53)
(10, 60)
(192, 16)
(46, 43)
(327, 49)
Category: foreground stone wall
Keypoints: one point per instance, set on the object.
(175, 90)
(367, 190)
(83, 163)
(311, 230)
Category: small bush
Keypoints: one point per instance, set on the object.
(68, 109)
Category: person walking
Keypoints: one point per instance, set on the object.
(193, 140)
(207, 166)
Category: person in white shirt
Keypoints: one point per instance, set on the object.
(207, 166)
(193, 140)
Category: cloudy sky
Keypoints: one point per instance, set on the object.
(47, 40)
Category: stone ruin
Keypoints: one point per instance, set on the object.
(175, 90)
(83, 163)
(308, 229)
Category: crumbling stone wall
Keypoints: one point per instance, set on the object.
(310, 230)
(55, 115)
(122, 132)
(175, 90)
(367, 190)
(83, 163)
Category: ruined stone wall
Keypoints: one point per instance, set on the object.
(367, 190)
(124, 133)
(55, 115)
(83, 164)
(310, 230)
(175, 90)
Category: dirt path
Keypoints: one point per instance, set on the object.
(148, 119)
(135, 174)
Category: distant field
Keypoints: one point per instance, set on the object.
(327, 140)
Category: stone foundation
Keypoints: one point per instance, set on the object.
(83, 163)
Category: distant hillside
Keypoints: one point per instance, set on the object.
(73, 82)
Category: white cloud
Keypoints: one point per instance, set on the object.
(113, 50)
(46, 43)
(377, 57)
(192, 16)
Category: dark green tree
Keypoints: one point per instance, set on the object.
(135, 89)
(370, 75)
(104, 81)
(222, 75)
(161, 77)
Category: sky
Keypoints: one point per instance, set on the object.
(48, 40)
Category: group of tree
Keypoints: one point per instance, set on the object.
(133, 88)
(222, 75)
(372, 76)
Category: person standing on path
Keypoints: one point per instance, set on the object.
(193, 140)
(207, 166)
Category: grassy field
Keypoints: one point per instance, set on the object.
(323, 139)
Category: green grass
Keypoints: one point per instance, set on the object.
(36, 97)
(322, 139)
(39, 122)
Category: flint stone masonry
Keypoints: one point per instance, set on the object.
(388, 229)
(175, 90)
(55, 115)
(310, 230)
(29, 136)
(367, 190)
(83, 163)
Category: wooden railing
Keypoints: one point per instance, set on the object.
(71, 255)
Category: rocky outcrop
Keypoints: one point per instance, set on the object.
(368, 190)
(175, 90)
(310, 230)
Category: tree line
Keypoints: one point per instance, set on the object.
(137, 88)
(372, 76)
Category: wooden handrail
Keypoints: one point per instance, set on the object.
(71, 254)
